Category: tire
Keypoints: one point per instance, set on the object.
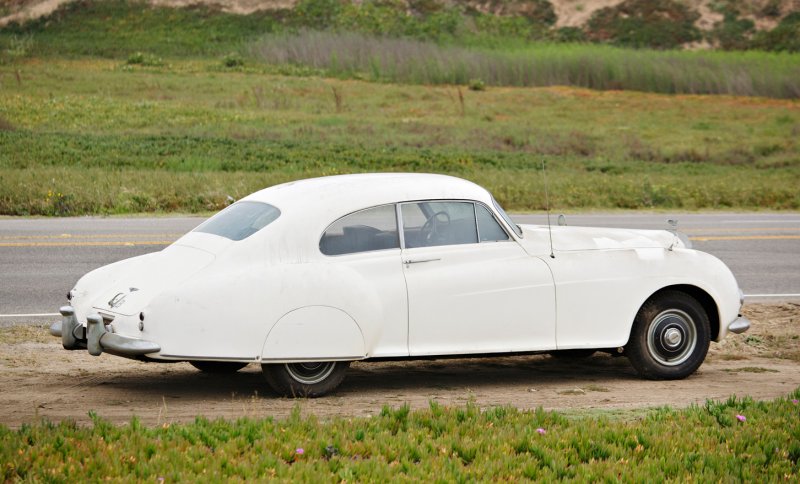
(309, 380)
(670, 337)
(218, 366)
(576, 354)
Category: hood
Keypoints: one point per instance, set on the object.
(136, 284)
(597, 238)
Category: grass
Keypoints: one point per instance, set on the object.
(101, 136)
(400, 60)
(739, 439)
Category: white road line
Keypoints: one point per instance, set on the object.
(762, 221)
(38, 315)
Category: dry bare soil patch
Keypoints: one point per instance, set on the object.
(39, 379)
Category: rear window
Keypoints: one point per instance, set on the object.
(240, 220)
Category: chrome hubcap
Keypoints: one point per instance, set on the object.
(671, 337)
(310, 373)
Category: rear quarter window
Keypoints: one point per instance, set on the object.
(364, 231)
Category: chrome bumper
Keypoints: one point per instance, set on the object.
(96, 338)
(739, 325)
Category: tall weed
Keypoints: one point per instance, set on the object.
(596, 67)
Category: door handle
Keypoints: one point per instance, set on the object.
(408, 262)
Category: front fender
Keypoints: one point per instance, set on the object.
(600, 292)
(314, 333)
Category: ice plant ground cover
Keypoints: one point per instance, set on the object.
(739, 439)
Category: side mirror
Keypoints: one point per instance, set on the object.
(562, 220)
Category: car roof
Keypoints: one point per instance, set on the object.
(309, 206)
(333, 196)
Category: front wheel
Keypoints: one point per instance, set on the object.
(670, 337)
(305, 379)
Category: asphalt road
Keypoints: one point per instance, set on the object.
(41, 259)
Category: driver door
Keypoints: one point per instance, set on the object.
(471, 286)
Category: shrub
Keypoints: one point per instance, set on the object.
(732, 33)
(568, 34)
(477, 85)
(772, 9)
(144, 59)
(659, 24)
(784, 37)
(535, 11)
(318, 13)
(233, 60)
(501, 27)
(18, 46)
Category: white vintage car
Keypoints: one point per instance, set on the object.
(306, 277)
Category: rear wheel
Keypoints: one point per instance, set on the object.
(670, 337)
(218, 366)
(305, 379)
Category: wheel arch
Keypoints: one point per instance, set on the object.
(701, 296)
(314, 333)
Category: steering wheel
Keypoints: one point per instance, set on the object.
(430, 230)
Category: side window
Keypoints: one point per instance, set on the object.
(367, 230)
(488, 228)
(428, 224)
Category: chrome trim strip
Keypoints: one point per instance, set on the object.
(475, 216)
(420, 261)
(312, 360)
(398, 216)
(208, 358)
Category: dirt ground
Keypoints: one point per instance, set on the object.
(39, 379)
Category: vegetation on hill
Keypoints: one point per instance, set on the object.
(432, 44)
(106, 27)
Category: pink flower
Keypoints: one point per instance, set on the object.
(299, 451)
(794, 400)
(741, 418)
(541, 431)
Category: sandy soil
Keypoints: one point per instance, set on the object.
(39, 379)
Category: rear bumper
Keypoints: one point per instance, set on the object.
(95, 336)
(739, 325)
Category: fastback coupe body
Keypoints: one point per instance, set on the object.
(306, 277)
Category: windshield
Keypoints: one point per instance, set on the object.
(240, 220)
(505, 216)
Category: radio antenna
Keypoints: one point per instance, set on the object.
(547, 208)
